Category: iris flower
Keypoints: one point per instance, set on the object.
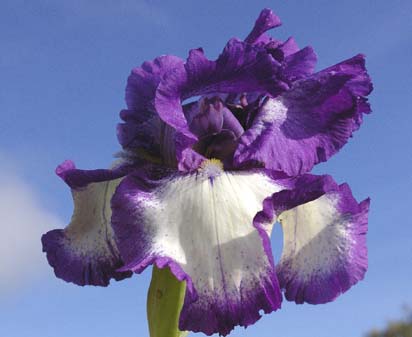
(213, 154)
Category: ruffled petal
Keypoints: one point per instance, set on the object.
(77, 179)
(143, 130)
(142, 84)
(281, 49)
(309, 123)
(201, 225)
(324, 233)
(144, 135)
(85, 252)
(266, 21)
(240, 68)
(298, 65)
(296, 191)
(324, 250)
(156, 91)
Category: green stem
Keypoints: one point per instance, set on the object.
(164, 303)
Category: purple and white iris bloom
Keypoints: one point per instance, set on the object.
(199, 185)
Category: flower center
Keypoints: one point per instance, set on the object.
(211, 167)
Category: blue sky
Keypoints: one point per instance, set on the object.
(63, 70)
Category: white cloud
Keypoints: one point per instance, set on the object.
(23, 221)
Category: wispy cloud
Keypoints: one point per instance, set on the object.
(23, 220)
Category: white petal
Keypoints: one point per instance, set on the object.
(205, 225)
(85, 251)
(324, 251)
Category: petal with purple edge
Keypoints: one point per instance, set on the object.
(85, 252)
(200, 225)
(76, 178)
(324, 250)
(310, 122)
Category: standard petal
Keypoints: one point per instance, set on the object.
(201, 225)
(241, 67)
(298, 65)
(143, 131)
(266, 21)
(85, 252)
(310, 122)
(324, 233)
(288, 47)
(142, 84)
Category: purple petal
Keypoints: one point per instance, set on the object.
(245, 68)
(280, 50)
(143, 130)
(77, 179)
(240, 67)
(189, 160)
(310, 122)
(289, 47)
(142, 84)
(85, 252)
(230, 122)
(217, 129)
(209, 119)
(221, 146)
(229, 273)
(299, 65)
(266, 20)
(144, 134)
